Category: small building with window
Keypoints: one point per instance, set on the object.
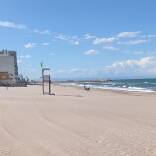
(8, 67)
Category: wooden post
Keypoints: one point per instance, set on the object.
(49, 86)
(43, 81)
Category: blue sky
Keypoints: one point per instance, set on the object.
(81, 38)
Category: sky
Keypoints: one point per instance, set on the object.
(81, 39)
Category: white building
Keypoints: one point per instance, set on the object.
(8, 67)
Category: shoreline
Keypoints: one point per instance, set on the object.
(137, 93)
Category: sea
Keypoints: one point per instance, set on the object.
(132, 85)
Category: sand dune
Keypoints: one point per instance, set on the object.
(76, 123)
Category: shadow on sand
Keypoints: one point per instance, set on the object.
(70, 95)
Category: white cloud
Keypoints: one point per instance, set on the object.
(142, 67)
(43, 32)
(30, 45)
(61, 37)
(74, 70)
(109, 40)
(88, 36)
(128, 34)
(9, 24)
(25, 56)
(131, 68)
(22, 57)
(76, 42)
(45, 43)
(75, 73)
(147, 61)
(134, 42)
(71, 39)
(19, 61)
(34, 45)
(91, 52)
(111, 48)
(143, 62)
(151, 36)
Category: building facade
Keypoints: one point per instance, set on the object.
(8, 67)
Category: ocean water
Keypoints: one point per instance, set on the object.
(138, 85)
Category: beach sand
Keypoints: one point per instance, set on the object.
(76, 123)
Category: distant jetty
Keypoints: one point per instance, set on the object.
(84, 81)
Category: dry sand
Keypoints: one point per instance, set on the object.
(76, 123)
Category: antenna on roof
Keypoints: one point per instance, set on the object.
(41, 64)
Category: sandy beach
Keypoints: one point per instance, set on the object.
(76, 123)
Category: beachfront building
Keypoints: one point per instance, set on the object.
(8, 67)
